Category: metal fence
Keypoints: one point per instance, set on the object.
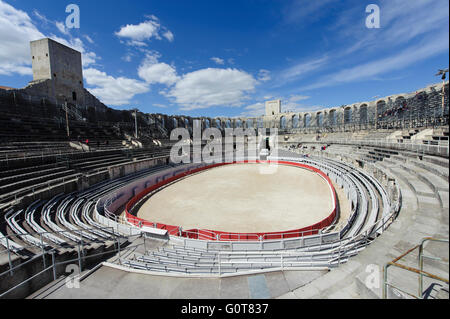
(51, 252)
(419, 270)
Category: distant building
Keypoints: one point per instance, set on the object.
(273, 107)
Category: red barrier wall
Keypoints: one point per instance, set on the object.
(205, 234)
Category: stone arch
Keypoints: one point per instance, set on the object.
(307, 120)
(332, 117)
(295, 121)
(260, 123)
(319, 119)
(400, 107)
(363, 114)
(381, 108)
(283, 122)
(218, 124)
(206, 123)
(347, 115)
(174, 122)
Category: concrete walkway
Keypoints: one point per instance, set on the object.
(110, 283)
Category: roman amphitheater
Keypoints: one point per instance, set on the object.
(347, 202)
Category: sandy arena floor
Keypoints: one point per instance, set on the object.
(237, 198)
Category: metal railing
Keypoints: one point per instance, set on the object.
(203, 234)
(419, 270)
(280, 260)
(52, 251)
(441, 149)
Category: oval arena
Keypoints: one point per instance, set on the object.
(234, 202)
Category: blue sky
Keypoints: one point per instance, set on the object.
(225, 58)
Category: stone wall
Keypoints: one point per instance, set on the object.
(422, 108)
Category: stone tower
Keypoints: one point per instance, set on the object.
(58, 68)
(273, 107)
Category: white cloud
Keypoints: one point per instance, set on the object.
(168, 35)
(111, 90)
(296, 98)
(158, 73)
(127, 57)
(298, 70)
(89, 39)
(41, 17)
(254, 110)
(301, 11)
(153, 71)
(62, 27)
(218, 60)
(17, 30)
(264, 75)
(407, 35)
(401, 60)
(152, 17)
(212, 87)
(138, 34)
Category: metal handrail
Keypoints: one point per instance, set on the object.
(420, 271)
(79, 260)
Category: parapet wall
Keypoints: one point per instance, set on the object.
(422, 108)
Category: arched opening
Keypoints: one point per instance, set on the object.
(381, 109)
(332, 118)
(307, 120)
(283, 123)
(400, 107)
(319, 119)
(347, 115)
(363, 117)
(295, 121)
(260, 123)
